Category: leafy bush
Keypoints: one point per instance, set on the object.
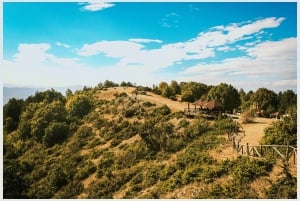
(85, 170)
(148, 104)
(197, 128)
(56, 132)
(283, 132)
(70, 191)
(245, 169)
(130, 112)
(284, 188)
(79, 105)
(163, 110)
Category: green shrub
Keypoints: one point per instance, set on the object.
(85, 170)
(148, 104)
(130, 112)
(70, 191)
(284, 188)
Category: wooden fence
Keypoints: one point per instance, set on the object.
(285, 152)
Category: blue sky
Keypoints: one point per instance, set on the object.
(248, 45)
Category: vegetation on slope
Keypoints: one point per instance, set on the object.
(80, 146)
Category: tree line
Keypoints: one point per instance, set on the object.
(263, 98)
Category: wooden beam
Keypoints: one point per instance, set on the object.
(254, 148)
(280, 154)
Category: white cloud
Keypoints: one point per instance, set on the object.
(63, 45)
(170, 20)
(34, 66)
(134, 51)
(285, 83)
(97, 5)
(272, 62)
(275, 61)
(115, 49)
(144, 40)
(32, 53)
(220, 35)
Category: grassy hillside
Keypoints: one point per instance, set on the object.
(113, 143)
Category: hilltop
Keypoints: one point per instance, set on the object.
(120, 142)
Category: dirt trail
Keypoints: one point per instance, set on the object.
(255, 131)
(151, 97)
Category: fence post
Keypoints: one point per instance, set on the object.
(233, 142)
(287, 152)
(294, 153)
(247, 148)
(261, 152)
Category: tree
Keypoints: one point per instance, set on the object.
(13, 182)
(47, 96)
(226, 94)
(69, 93)
(79, 105)
(192, 91)
(187, 95)
(109, 83)
(283, 132)
(55, 133)
(11, 114)
(265, 99)
(286, 99)
(175, 87)
(165, 90)
(24, 128)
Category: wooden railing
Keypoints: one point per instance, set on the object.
(285, 152)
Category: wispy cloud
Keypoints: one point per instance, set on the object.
(203, 46)
(96, 5)
(63, 45)
(170, 20)
(144, 40)
(262, 61)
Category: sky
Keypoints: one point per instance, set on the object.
(247, 44)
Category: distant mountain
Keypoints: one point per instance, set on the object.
(24, 92)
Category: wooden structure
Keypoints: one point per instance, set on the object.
(207, 108)
(285, 152)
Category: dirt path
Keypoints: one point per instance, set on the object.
(151, 97)
(255, 131)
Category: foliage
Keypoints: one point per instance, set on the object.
(266, 99)
(286, 99)
(11, 113)
(165, 90)
(192, 91)
(226, 94)
(284, 188)
(225, 124)
(55, 133)
(283, 132)
(79, 105)
(14, 184)
(47, 96)
(60, 143)
(108, 83)
(197, 128)
(244, 169)
(70, 191)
